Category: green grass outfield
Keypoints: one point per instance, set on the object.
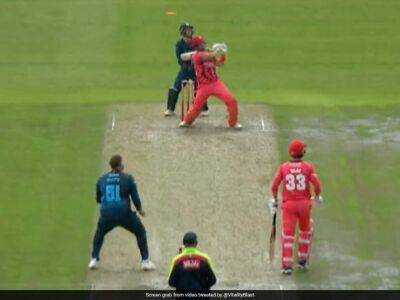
(62, 62)
(356, 152)
(50, 159)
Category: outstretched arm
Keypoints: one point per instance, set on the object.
(220, 60)
(205, 56)
(315, 182)
(187, 56)
(133, 192)
(275, 184)
(98, 192)
(209, 56)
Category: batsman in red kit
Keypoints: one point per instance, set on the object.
(296, 176)
(205, 63)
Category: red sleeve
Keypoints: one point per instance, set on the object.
(195, 58)
(198, 57)
(315, 181)
(276, 182)
(221, 60)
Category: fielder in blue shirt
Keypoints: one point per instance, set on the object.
(114, 192)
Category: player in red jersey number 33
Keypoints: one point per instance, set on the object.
(296, 177)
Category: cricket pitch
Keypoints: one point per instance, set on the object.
(209, 179)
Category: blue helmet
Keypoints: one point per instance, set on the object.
(185, 26)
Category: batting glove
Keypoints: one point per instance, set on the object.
(319, 199)
(273, 206)
(220, 48)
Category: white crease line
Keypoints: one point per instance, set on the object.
(281, 287)
(263, 127)
(113, 122)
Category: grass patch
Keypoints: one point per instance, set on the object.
(51, 157)
(355, 150)
(291, 52)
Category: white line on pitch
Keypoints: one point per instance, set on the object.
(113, 122)
(262, 124)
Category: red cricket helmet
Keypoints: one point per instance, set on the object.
(297, 149)
(197, 41)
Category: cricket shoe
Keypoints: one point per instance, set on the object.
(236, 126)
(204, 113)
(93, 264)
(147, 265)
(183, 124)
(302, 265)
(287, 271)
(169, 113)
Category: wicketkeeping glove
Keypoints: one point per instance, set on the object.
(273, 206)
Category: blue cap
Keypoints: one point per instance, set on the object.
(189, 238)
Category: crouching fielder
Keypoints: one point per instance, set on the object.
(114, 192)
(205, 63)
(296, 176)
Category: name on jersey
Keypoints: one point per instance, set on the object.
(113, 178)
(295, 171)
(191, 264)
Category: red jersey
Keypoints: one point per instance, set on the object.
(296, 177)
(205, 70)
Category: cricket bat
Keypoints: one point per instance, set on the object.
(272, 239)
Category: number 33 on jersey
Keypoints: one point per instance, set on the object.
(296, 177)
(295, 182)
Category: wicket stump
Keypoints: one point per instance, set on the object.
(187, 96)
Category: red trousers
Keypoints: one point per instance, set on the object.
(293, 213)
(218, 90)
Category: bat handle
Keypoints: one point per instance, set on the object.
(274, 220)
